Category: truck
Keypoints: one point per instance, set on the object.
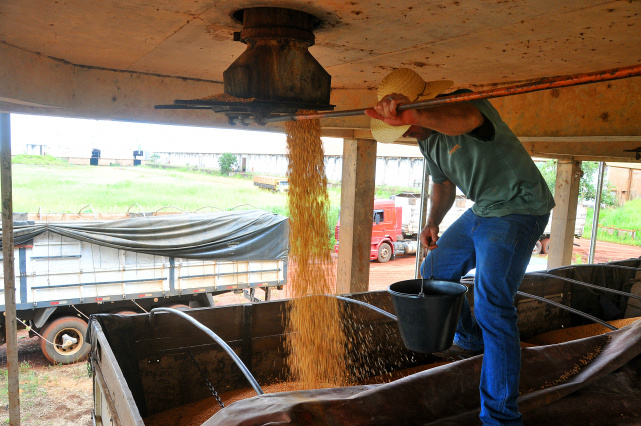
(542, 246)
(65, 271)
(396, 225)
(276, 184)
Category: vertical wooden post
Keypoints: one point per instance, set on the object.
(566, 196)
(9, 273)
(626, 196)
(357, 209)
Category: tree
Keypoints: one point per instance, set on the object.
(227, 162)
(587, 184)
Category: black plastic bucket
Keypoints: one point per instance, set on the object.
(427, 322)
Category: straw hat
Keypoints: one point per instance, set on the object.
(410, 84)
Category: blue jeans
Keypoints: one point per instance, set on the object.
(500, 249)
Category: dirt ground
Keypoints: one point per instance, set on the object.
(61, 395)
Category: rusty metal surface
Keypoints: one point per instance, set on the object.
(277, 65)
(534, 86)
(473, 43)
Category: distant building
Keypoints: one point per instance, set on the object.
(36, 149)
(626, 178)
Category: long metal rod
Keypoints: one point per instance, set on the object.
(221, 342)
(367, 305)
(581, 283)
(422, 218)
(596, 212)
(11, 325)
(567, 308)
(542, 84)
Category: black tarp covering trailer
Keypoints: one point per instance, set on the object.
(143, 367)
(66, 271)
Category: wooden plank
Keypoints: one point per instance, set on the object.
(357, 208)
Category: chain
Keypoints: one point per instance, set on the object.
(207, 382)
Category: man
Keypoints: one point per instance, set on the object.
(467, 145)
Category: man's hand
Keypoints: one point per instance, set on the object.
(429, 235)
(385, 110)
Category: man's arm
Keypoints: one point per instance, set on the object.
(441, 200)
(451, 119)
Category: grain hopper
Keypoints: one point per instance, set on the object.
(276, 74)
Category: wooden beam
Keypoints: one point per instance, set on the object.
(566, 195)
(584, 148)
(357, 208)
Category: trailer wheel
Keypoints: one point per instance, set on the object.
(179, 306)
(545, 246)
(384, 252)
(537, 248)
(68, 334)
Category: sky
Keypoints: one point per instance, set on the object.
(73, 137)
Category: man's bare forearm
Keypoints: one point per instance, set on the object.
(441, 201)
(454, 119)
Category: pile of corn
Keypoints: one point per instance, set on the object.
(573, 333)
(315, 339)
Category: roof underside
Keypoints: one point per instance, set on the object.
(477, 44)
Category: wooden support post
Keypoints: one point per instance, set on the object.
(566, 195)
(626, 196)
(357, 209)
(11, 325)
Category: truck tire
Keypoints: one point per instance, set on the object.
(545, 246)
(60, 332)
(384, 252)
(180, 307)
(537, 248)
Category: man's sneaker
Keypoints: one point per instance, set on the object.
(457, 353)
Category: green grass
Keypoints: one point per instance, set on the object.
(70, 189)
(30, 385)
(53, 186)
(42, 160)
(627, 216)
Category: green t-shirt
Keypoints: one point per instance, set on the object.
(497, 174)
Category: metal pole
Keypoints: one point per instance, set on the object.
(597, 210)
(422, 218)
(542, 84)
(11, 327)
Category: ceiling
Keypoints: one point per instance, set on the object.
(85, 57)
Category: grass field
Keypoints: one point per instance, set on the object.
(62, 188)
(626, 217)
(49, 185)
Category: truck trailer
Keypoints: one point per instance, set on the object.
(65, 271)
(276, 184)
(396, 225)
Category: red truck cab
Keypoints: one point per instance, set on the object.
(387, 228)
